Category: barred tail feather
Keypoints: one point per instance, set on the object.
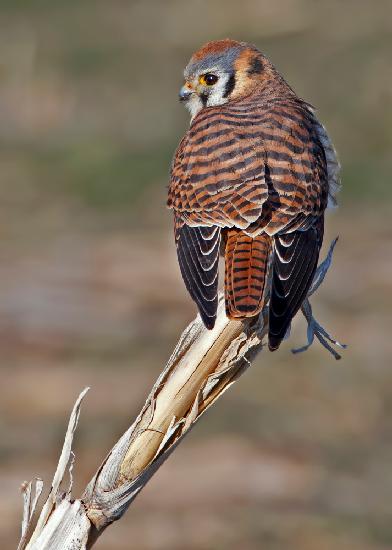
(246, 262)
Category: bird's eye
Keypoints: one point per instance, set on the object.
(208, 79)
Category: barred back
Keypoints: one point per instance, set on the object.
(258, 171)
(250, 165)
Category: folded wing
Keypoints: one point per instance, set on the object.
(294, 263)
(198, 256)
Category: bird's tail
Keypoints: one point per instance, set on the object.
(246, 263)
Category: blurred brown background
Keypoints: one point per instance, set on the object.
(299, 453)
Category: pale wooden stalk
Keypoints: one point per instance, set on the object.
(203, 365)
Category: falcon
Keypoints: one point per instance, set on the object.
(251, 179)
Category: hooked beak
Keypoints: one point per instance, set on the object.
(185, 93)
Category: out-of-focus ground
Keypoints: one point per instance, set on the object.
(298, 454)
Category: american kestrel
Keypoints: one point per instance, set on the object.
(251, 178)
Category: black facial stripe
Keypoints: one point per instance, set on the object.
(230, 84)
(204, 99)
(256, 66)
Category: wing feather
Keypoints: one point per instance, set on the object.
(198, 255)
(294, 263)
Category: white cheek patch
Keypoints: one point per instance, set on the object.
(216, 95)
(194, 105)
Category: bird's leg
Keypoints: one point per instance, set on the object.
(314, 328)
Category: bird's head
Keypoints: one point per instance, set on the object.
(222, 71)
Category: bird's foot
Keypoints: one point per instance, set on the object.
(314, 328)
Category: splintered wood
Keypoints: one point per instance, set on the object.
(178, 397)
(203, 365)
(201, 368)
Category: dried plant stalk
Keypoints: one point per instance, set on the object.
(203, 365)
(201, 368)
